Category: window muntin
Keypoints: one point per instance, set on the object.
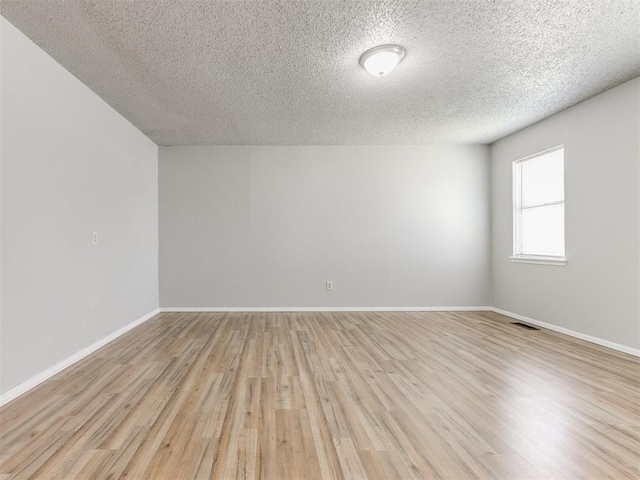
(539, 205)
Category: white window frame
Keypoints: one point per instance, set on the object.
(519, 257)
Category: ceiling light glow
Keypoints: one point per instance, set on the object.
(381, 60)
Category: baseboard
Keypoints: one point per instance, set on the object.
(58, 367)
(571, 333)
(24, 387)
(325, 309)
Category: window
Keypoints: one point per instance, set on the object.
(538, 208)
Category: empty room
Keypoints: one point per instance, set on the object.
(319, 239)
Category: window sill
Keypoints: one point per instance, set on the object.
(557, 261)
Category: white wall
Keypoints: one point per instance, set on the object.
(70, 165)
(395, 226)
(597, 293)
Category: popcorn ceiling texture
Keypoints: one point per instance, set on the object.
(286, 72)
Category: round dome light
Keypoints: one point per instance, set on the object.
(381, 60)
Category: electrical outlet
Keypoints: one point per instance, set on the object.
(329, 285)
(94, 238)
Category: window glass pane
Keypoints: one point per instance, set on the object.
(543, 231)
(543, 179)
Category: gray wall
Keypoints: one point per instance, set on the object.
(395, 226)
(597, 293)
(401, 226)
(70, 165)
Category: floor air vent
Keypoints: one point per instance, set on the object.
(524, 325)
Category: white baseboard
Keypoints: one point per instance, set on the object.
(24, 387)
(571, 333)
(325, 309)
(41, 377)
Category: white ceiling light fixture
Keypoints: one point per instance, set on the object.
(379, 61)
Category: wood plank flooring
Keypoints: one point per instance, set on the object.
(450, 395)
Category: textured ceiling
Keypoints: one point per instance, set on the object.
(286, 72)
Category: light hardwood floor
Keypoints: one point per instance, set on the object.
(331, 395)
